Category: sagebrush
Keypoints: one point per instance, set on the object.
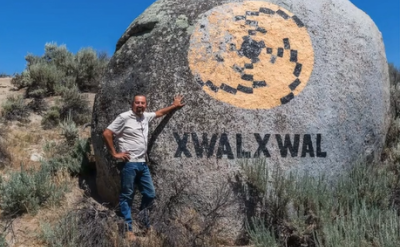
(58, 68)
(26, 190)
(5, 156)
(14, 108)
(302, 210)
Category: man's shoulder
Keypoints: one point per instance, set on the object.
(149, 115)
(125, 115)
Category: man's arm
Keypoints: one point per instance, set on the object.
(108, 136)
(175, 105)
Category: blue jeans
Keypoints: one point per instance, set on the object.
(135, 173)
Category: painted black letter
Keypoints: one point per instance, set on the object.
(262, 145)
(319, 152)
(182, 146)
(209, 148)
(239, 151)
(307, 146)
(224, 147)
(283, 147)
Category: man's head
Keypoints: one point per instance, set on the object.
(139, 104)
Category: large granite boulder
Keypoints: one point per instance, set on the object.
(300, 83)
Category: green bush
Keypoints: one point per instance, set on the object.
(51, 118)
(37, 105)
(75, 104)
(355, 210)
(60, 57)
(26, 191)
(89, 69)
(14, 108)
(257, 174)
(60, 72)
(392, 138)
(73, 158)
(45, 76)
(58, 69)
(69, 130)
(21, 80)
(5, 155)
(260, 235)
(362, 226)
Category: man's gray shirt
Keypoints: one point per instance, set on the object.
(131, 133)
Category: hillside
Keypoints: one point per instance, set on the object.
(25, 142)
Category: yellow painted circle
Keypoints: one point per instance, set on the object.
(253, 55)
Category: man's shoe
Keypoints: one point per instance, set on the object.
(130, 236)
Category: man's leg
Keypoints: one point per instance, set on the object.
(128, 175)
(146, 188)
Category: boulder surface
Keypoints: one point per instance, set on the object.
(302, 84)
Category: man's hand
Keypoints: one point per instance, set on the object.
(178, 101)
(177, 104)
(108, 136)
(124, 156)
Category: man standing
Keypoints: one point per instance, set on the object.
(131, 130)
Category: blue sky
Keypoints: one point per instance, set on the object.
(26, 25)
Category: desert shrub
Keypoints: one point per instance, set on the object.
(88, 226)
(73, 158)
(14, 108)
(362, 226)
(71, 154)
(26, 191)
(5, 156)
(392, 137)
(271, 194)
(51, 118)
(4, 75)
(58, 69)
(260, 235)
(394, 77)
(89, 69)
(60, 57)
(321, 213)
(44, 78)
(37, 105)
(69, 130)
(21, 80)
(75, 104)
(257, 174)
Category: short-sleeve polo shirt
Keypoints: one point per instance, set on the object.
(131, 134)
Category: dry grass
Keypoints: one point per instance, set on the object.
(24, 141)
(25, 230)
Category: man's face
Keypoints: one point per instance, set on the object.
(139, 105)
